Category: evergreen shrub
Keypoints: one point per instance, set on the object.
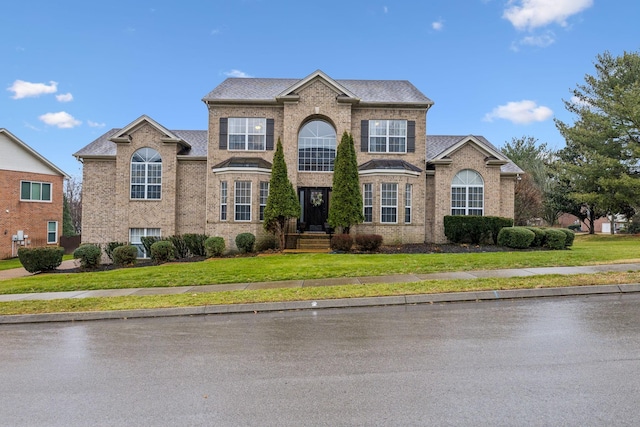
(109, 247)
(266, 242)
(516, 237)
(195, 243)
(368, 242)
(555, 238)
(540, 238)
(179, 246)
(40, 259)
(570, 235)
(89, 255)
(147, 241)
(162, 251)
(341, 242)
(125, 255)
(245, 242)
(214, 246)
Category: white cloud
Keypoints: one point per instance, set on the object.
(62, 120)
(544, 40)
(521, 112)
(95, 124)
(22, 89)
(386, 9)
(438, 25)
(215, 31)
(64, 97)
(530, 14)
(236, 73)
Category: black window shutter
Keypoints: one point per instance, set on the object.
(223, 133)
(364, 136)
(269, 142)
(411, 136)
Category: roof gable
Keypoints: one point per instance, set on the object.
(124, 134)
(317, 75)
(16, 155)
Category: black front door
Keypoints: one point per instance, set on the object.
(314, 202)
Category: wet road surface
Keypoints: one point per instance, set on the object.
(561, 361)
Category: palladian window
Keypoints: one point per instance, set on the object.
(467, 193)
(146, 174)
(316, 147)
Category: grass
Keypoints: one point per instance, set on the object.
(587, 250)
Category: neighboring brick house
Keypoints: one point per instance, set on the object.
(31, 189)
(144, 179)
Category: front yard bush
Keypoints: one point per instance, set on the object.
(516, 237)
(147, 241)
(89, 255)
(266, 242)
(109, 247)
(474, 229)
(245, 242)
(541, 236)
(162, 251)
(214, 246)
(555, 238)
(368, 242)
(341, 242)
(495, 224)
(570, 235)
(125, 255)
(40, 259)
(195, 243)
(179, 246)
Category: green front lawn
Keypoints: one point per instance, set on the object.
(587, 250)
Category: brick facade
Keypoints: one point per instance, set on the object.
(191, 184)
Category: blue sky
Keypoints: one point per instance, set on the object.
(72, 70)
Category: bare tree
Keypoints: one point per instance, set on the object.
(73, 195)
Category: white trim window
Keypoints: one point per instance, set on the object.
(224, 195)
(264, 195)
(408, 196)
(389, 203)
(367, 199)
(35, 191)
(52, 232)
(136, 235)
(146, 174)
(242, 199)
(247, 134)
(467, 193)
(316, 147)
(387, 136)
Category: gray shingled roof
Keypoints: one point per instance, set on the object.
(436, 144)
(368, 91)
(103, 147)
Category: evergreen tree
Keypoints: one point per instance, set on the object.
(282, 202)
(345, 209)
(67, 223)
(601, 161)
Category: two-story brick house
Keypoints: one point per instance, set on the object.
(144, 179)
(31, 197)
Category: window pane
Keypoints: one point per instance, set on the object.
(146, 174)
(52, 232)
(35, 191)
(389, 202)
(236, 142)
(316, 147)
(46, 192)
(25, 191)
(243, 201)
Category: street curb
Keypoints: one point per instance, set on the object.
(324, 304)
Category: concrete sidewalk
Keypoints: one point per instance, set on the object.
(350, 302)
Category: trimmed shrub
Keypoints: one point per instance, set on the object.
(368, 242)
(40, 259)
(570, 235)
(109, 247)
(495, 224)
(125, 255)
(632, 228)
(245, 242)
(555, 238)
(179, 246)
(195, 243)
(89, 255)
(516, 237)
(541, 236)
(341, 242)
(147, 241)
(162, 251)
(214, 246)
(266, 242)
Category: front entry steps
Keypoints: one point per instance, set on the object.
(312, 242)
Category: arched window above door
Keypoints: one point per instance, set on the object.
(316, 147)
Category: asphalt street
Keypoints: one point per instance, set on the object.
(560, 361)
